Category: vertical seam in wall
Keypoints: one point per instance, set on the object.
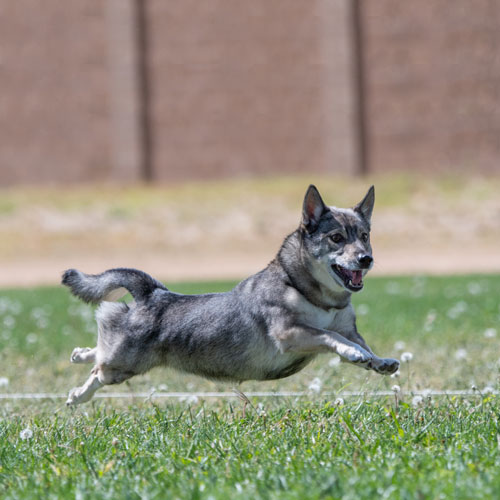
(359, 82)
(145, 126)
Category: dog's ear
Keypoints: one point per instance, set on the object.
(312, 209)
(365, 206)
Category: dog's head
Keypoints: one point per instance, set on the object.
(336, 241)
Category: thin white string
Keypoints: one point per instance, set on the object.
(284, 394)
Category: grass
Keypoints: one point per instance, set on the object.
(302, 447)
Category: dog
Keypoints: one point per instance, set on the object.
(268, 327)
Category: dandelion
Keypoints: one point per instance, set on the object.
(490, 333)
(399, 345)
(315, 385)
(9, 322)
(4, 381)
(260, 410)
(396, 374)
(406, 357)
(335, 361)
(395, 388)
(474, 288)
(363, 309)
(417, 400)
(488, 390)
(31, 338)
(427, 393)
(192, 400)
(392, 288)
(339, 402)
(457, 310)
(26, 434)
(460, 354)
(429, 320)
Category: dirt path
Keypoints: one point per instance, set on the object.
(229, 231)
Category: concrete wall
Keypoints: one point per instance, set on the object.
(132, 89)
(54, 92)
(432, 72)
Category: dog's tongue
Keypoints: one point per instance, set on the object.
(357, 277)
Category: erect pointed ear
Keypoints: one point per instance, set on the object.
(365, 206)
(312, 209)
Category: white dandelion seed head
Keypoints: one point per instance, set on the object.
(393, 288)
(362, 309)
(395, 388)
(406, 357)
(315, 385)
(399, 345)
(335, 361)
(417, 400)
(488, 389)
(457, 310)
(490, 333)
(4, 381)
(9, 322)
(26, 434)
(339, 402)
(31, 338)
(396, 374)
(192, 399)
(460, 354)
(474, 288)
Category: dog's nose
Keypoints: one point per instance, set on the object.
(365, 260)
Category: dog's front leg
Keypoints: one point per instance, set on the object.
(308, 340)
(384, 366)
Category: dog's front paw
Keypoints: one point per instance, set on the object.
(386, 366)
(355, 355)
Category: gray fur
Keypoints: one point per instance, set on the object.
(269, 326)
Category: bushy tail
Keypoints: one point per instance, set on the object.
(110, 285)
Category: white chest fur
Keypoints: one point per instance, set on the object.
(312, 315)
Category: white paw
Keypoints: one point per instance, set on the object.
(78, 396)
(77, 354)
(73, 397)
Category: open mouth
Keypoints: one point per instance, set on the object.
(353, 280)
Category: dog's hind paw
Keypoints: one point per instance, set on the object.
(82, 355)
(76, 396)
(73, 397)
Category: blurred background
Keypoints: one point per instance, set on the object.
(180, 137)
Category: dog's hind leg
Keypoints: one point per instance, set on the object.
(99, 376)
(83, 355)
(84, 393)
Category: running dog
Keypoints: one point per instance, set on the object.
(269, 326)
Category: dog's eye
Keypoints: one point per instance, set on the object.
(364, 237)
(337, 238)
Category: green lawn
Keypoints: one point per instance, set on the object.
(295, 447)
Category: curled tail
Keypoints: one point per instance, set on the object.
(110, 285)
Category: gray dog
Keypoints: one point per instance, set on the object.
(269, 326)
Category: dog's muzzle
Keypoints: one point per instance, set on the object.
(353, 280)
